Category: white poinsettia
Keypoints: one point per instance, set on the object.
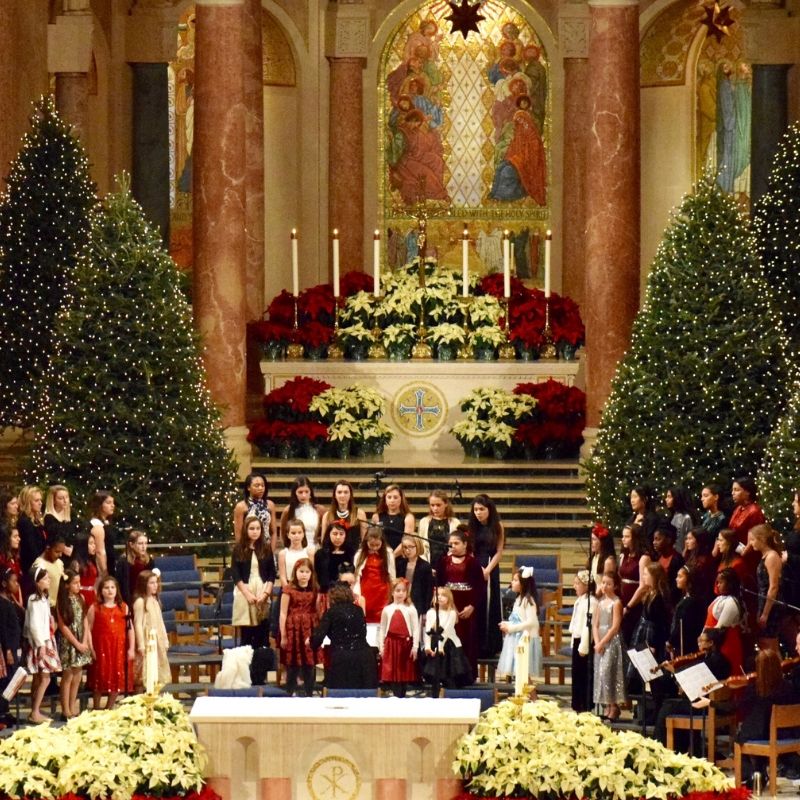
(538, 749)
(488, 336)
(447, 333)
(356, 332)
(398, 334)
(484, 310)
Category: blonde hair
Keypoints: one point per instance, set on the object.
(418, 546)
(448, 594)
(49, 503)
(26, 502)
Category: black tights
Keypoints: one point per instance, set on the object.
(309, 676)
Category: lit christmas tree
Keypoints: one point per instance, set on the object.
(776, 223)
(695, 397)
(125, 406)
(44, 231)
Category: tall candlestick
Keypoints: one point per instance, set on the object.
(547, 243)
(521, 663)
(465, 263)
(376, 263)
(295, 265)
(150, 668)
(335, 262)
(506, 264)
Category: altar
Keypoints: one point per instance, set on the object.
(423, 397)
(325, 748)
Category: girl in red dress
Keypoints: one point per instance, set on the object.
(114, 645)
(375, 572)
(398, 639)
(297, 620)
(461, 572)
(87, 567)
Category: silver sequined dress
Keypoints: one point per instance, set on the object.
(609, 671)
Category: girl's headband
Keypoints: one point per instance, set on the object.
(599, 530)
(526, 572)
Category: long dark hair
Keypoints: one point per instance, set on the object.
(299, 481)
(639, 545)
(373, 532)
(63, 603)
(96, 501)
(493, 522)
(682, 502)
(262, 547)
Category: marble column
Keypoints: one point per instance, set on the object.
(72, 100)
(346, 160)
(252, 71)
(770, 119)
(612, 194)
(9, 135)
(218, 216)
(150, 163)
(69, 58)
(390, 789)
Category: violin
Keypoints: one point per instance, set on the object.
(744, 679)
(678, 660)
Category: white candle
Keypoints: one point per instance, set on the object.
(376, 263)
(150, 667)
(465, 263)
(335, 262)
(521, 665)
(547, 243)
(506, 264)
(295, 265)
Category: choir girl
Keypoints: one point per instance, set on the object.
(634, 557)
(680, 512)
(102, 507)
(253, 569)
(643, 512)
(603, 558)
(33, 538)
(398, 640)
(39, 633)
(75, 641)
(333, 552)
(256, 503)
(295, 547)
(763, 540)
(394, 516)
(9, 557)
(417, 571)
(298, 618)
(58, 516)
(85, 561)
(436, 527)
(609, 674)
(344, 510)
(523, 619)
(136, 560)
(488, 542)
(12, 621)
(581, 638)
(375, 571)
(303, 506)
(698, 557)
(147, 617)
(688, 616)
(713, 519)
(113, 644)
(445, 662)
(726, 612)
(50, 560)
(790, 574)
(667, 556)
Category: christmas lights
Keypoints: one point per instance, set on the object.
(700, 388)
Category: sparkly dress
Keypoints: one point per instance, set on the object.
(301, 619)
(70, 657)
(609, 668)
(147, 616)
(111, 671)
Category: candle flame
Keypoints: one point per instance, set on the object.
(549, 234)
(294, 233)
(335, 232)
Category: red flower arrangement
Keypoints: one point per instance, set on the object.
(316, 305)
(527, 320)
(281, 309)
(558, 419)
(354, 282)
(565, 321)
(739, 793)
(271, 331)
(293, 397)
(493, 285)
(313, 334)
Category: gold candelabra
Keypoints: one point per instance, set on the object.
(377, 350)
(335, 350)
(548, 348)
(507, 351)
(295, 349)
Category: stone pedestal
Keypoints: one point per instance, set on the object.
(219, 203)
(612, 194)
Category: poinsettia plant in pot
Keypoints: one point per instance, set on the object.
(315, 338)
(556, 429)
(569, 332)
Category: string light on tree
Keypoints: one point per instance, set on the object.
(698, 392)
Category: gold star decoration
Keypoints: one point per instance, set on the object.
(718, 21)
(464, 17)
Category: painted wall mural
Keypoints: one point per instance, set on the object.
(465, 128)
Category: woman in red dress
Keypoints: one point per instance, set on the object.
(87, 567)
(727, 613)
(375, 572)
(113, 643)
(461, 572)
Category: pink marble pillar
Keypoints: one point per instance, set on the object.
(448, 788)
(9, 135)
(275, 789)
(390, 789)
(252, 68)
(612, 194)
(222, 786)
(346, 160)
(218, 217)
(72, 100)
(576, 127)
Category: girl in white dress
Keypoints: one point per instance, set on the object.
(523, 619)
(295, 547)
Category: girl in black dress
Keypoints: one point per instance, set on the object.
(488, 541)
(394, 516)
(417, 571)
(334, 552)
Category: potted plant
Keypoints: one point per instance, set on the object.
(485, 340)
(398, 340)
(315, 338)
(470, 433)
(273, 338)
(556, 428)
(356, 339)
(566, 325)
(447, 338)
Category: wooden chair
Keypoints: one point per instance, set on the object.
(714, 722)
(782, 717)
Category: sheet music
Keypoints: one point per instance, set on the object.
(697, 681)
(645, 663)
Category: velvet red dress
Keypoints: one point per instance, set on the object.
(397, 666)
(111, 671)
(301, 619)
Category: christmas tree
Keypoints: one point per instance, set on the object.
(777, 227)
(126, 407)
(695, 397)
(44, 232)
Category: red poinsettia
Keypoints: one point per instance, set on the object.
(270, 331)
(313, 334)
(559, 416)
(565, 320)
(316, 305)
(493, 285)
(354, 282)
(281, 309)
(295, 394)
